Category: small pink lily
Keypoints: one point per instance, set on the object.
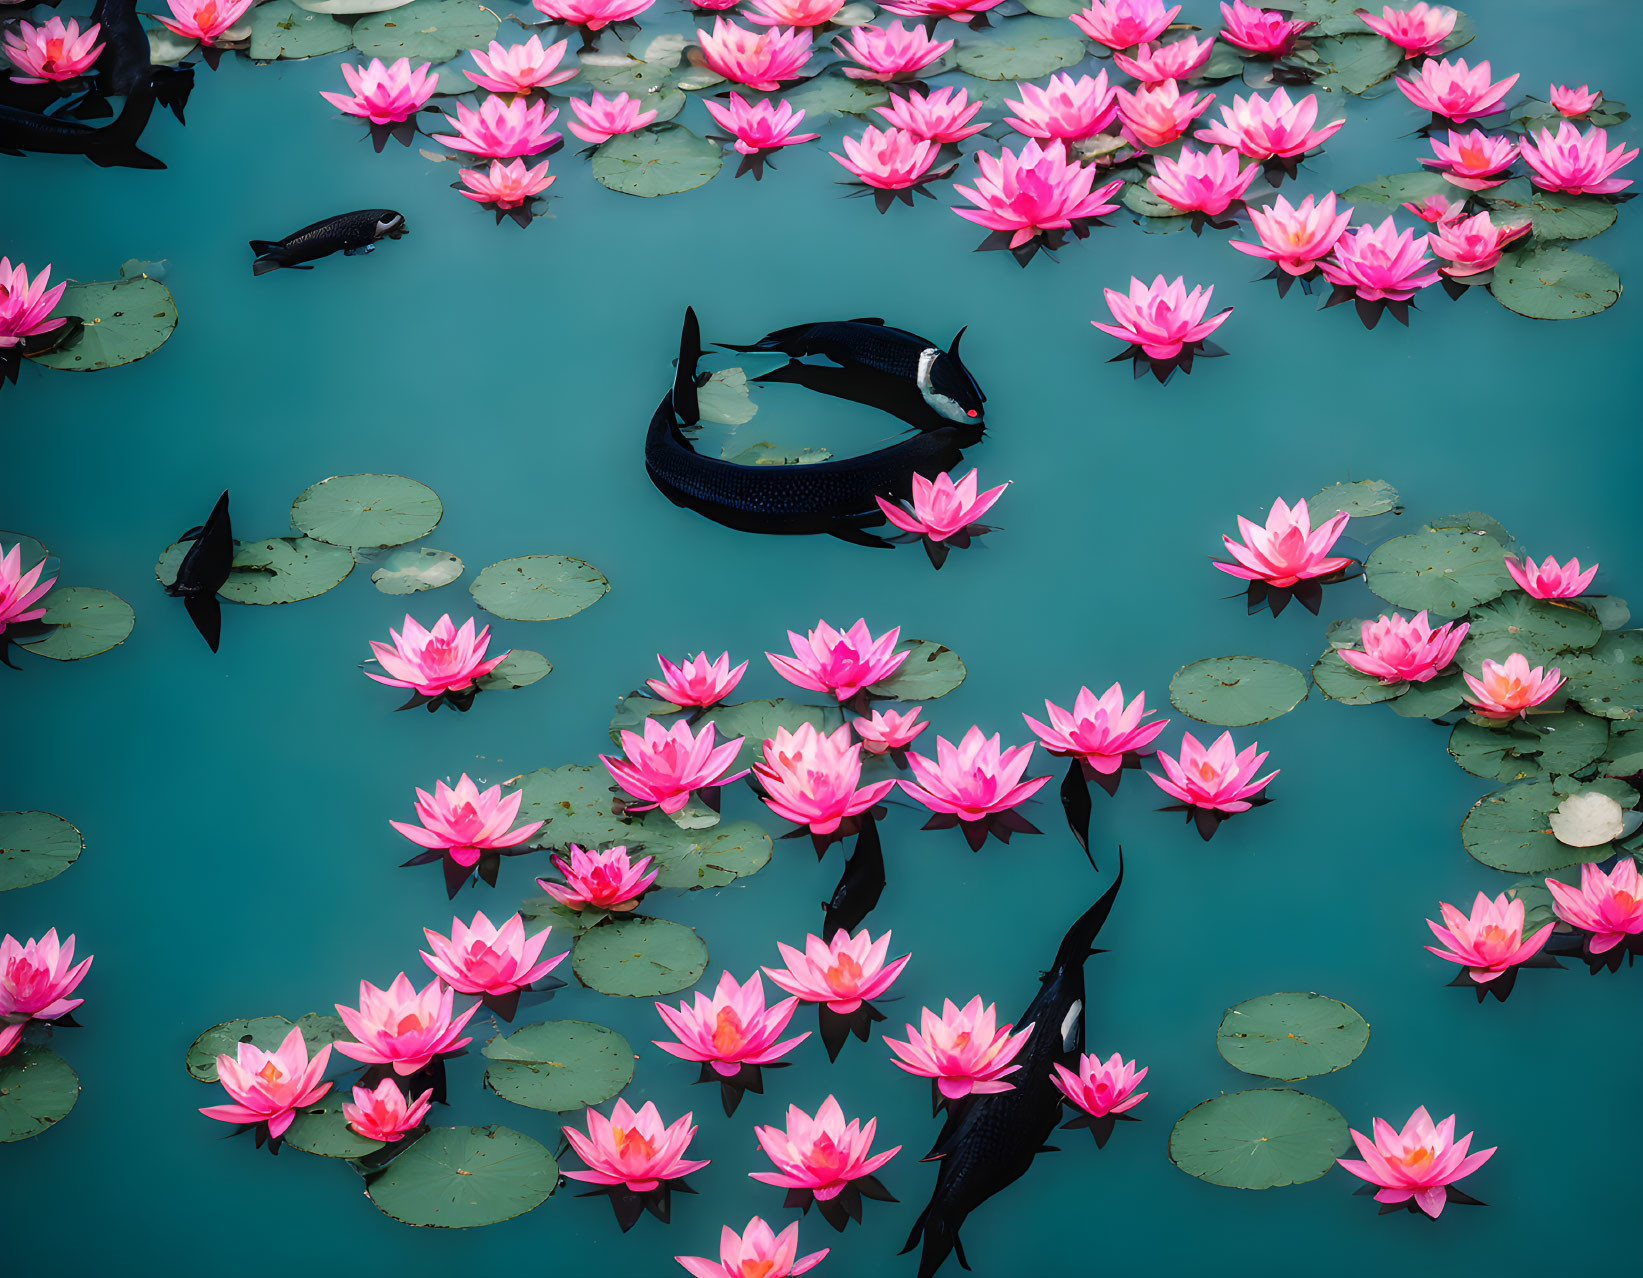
(1575, 162)
(506, 185)
(943, 115)
(1474, 161)
(1574, 103)
(888, 730)
(942, 507)
(1262, 31)
(464, 821)
(974, 780)
(1179, 60)
(1201, 181)
(732, 1029)
(1219, 779)
(821, 1154)
(697, 681)
(1154, 115)
(888, 159)
(19, 590)
(595, 880)
(443, 659)
(810, 778)
(1550, 579)
(1609, 906)
(891, 52)
(10, 1036)
(502, 128)
(1295, 236)
(1420, 1162)
(1455, 91)
(1270, 127)
(964, 1050)
(37, 977)
(757, 1252)
(840, 663)
(1065, 108)
(1472, 245)
(1510, 689)
(203, 20)
(1438, 209)
(1420, 30)
(592, 15)
(1400, 649)
(52, 51)
(633, 1148)
(665, 766)
(600, 119)
(519, 68)
(403, 1026)
(1101, 1087)
(481, 959)
(842, 974)
(1288, 549)
(759, 59)
(25, 308)
(759, 126)
(382, 1113)
(270, 1087)
(1122, 24)
(1488, 942)
(1099, 731)
(1162, 317)
(1039, 190)
(1380, 262)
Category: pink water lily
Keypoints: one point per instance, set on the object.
(890, 52)
(592, 15)
(633, 1148)
(1219, 779)
(382, 1112)
(973, 779)
(1101, 1087)
(1201, 181)
(943, 115)
(37, 977)
(1549, 579)
(1162, 317)
(957, 10)
(1609, 906)
(810, 778)
(731, 1029)
(1179, 60)
(384, 93)
(1574, 103)
(403, 1026)
(1575, 162)
(1065, 108)
(610, 880)
(1039, 190)
(1257, 30)
(25, 307)
(756, 1252)
(665, 766)
(1437, 209)
(964, 1050)
(10, 1036)
(52, 51)
(696, 681)
(794, 13)
(1472, 245)
(888, 730)
(888, 159)
(599, 119)
(843, 973)
(1455, 91)
(1288, 549)
(506, 185)
(1270, 127)
(1154, 115)
(270, 1087)
(1420, 1162)
(1380, 262)
(1295, 236)
(821, 1154)
(758, 126)
(1122, 24)
(479, 958)
(203, 20)
(502, 128)
(1474, 161)
(19, 590)
(443, 659)
(519, 68)
(941, 506)
(1489, 940)
(1420, 30)
(1399, 649)
(464, 821)
(1510, 689)
(759, 59)
(840, 663)
(1100, 731)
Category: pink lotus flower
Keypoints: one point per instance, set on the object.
(1220, 779)
(519, 68)
(698, 681)
(502, 128)
(600, 880)
(810, 778)
(1575, 162)
(1120, 24)
(755, 1253)
(601, 119)
(479, 958)
(1101, 1087)
(1265, 128)
(794, 13)
(1297, 236)
(1160, 317)
(957, 10)
(839, 663)
(10, 1036)
(731, 1029)
(1454, 90)
(666, 765)
(888, 730)
(1201, 181)
(270, 1087)
(591, 15)
(1259, 30)
(384, 94)
(964, 1049)
(973, 779)
(1438, 209)
(52, 50)
(888, 159)
(20, 590)
(203, 20)
(435, 661)
(1420, 30)
(1288, 549)
(1507, 690)
(1488, 942)
(1609, 906)
(633, 1148)
(382, 1113)
(403, 1026)
(1099, 730)
(942, 507)
(1397, 649)
(821, 1154)
(37, 977)
(759, 59)
(506, 185)
(1550, 579)
(1475, 160)
(941, 116)
(1156, 114)
(1039, 190)
(1472, 245)
(1380, 262)
(1064, 108)
(889, 52)
(25, 307)
(758, 126)
(1178, 60)
(465, 821)
(1574, 103)
(1419, 1162)
(843, 973)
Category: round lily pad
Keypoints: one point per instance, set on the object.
(1553, 214)
(931, 670)
(1236, 692)
(1441, 571)
(1471, 521)
(1555, 284)
(426, 31)
(85, 622)
(1495, 754)
(1511, 829)
(1399, 188)
(320, 1028)
(267, 1032)
(1291, 1036)
(124, 320)
(412, 569)
(464, 1177)
(1569, 741)
(691, 859)
(1259, 1139)
(639, 958)
(559, 1065)
(1431, 699)
(322, 1129)
(1021, 59)
(34, 847)
(631, 713)
(756, 722)
(286, 30)
(1137, 197)
(830, 94)
(32, 550)
(538, 587)
(166, 48)
(660, 160)
(1607, 678)
(576, 802)
(1340, 682)
(37, 1089)
(519, 669)
(1355, 63)
(280, 570)
(1540, 629)
(367, 510)
(1360, 499)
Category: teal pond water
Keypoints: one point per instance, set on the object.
(235, 807)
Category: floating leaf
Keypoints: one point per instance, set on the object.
(1340, 682)
(1587, 820)
(687, 860)
(1538, 628)
(1612, 613)
(829, 94)
(1022, 59)
(1554, 283)
(540, 912)
(320, 1028)
(1553, 214)
(1236, 692)
(408, 570)
(756, 722)
(724, 398)
(1259, 1139)
(1471, 521)
(1399, 188)
(426, 31)
(631, 713)
(664, 160)
(538, 587)
(1511, 828)
(639, 958)
(1443, 572)
(1430, 699)
(1225, 62)
(1137, 197)
(1333, 18)
(37, 1088)
(266, 1032)
(85, 622)
(281, 570)
(166, 48)
(367, 510)
(1054, 8)
(464, 1177)
(287, 31)
(34, 847)
(1607, 678)
(519, 669)
(31, 551)
(1495, 754)
(931, 670)
(1569, 741)
(1355, 63)
(124, 321)
(322, 1129)
(1360, 499)
(1291, 1036)
(576, 802)
(559, 1065)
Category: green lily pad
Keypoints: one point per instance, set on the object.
(1333, 17)
(688, 860)
(267, 1032)
(576, 802)
(1137, 197)
(34, 847)
(464, 1177)
(1612, 612)
(1471, 521)
(288, 31)
(1236, 692)
(1395, 189)
(831, 94)
(539, 912)
(1022, 59)
(426, 31)
(559, 1065)
(1355, 63)
(1226, 62)
(1259, 1139)
(661, 160)
(519, 669)
(409, 570)
(1607, 678)
(281, 570)
(1340, 682)
(32, 551)
(724, 398)
(1540, 629)
(1359, 498)
(1291, 1036)
(85, 622)
(1495, 754)
(538, 587)
(1555, 283)
(1054, 8)
(1443, 572)
(631, 713)
(1431, 699)
(1553, 215)
(322, 1129)
(1569, 741)
(352, 6)
(652, 82)
(360, 511)
(166, 48)
(756, 722)
(37, 1089)
(125, 320)
(931, 670)
(1624, 755)
(639, 958)
(1511, 829)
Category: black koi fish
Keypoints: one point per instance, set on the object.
(348, 233)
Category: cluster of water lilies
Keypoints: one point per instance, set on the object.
(37, 978)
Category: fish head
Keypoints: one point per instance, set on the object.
(948, 388)
(390, 225)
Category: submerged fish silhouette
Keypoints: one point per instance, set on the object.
(123, 68)
(110, 146)
(204, 570)
(347, 233)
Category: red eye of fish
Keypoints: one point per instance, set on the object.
(972, 412)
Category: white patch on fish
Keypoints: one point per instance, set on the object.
(944, 405)
(1069, 1022)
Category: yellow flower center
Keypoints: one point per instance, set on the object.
(270, 1073)
(630, 1143)
(845, 974)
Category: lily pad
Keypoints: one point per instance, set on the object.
(1540, 629)
(1236, 692)
(321, 1028)
(1359, 498)
(34, 847)
(1431, 699)
(725, 399)
(1291, 1036)
(1495, 754)
(464, 1177)
(37, 1089)
(1612, 612)
(1555, 283)
(661, 160)
(631, 713)
(1511, 829)
(829, 94)
(322, 1129)
(1259, 1139)
(1355, 63)
(931, 670)
(559, 1065)
(32, 551)
(408, 570)
(1340, 682)
(576, 802)
(1022, 59)
(1137, 197)
(539, 912)
(1471, 521)
(688, 860)
(124, 320)
(85, 622)
(538, 587)
(639, 958)
(756, 722)
(519, 669)
(1399, 188)
(288, 31)
(1553, 214)
(1443, 572)
(281, 570)
(267, 1032)
(1054, 8)
(1607, 678)
(426, 31)
(166, 48)
(367, 510)
(1226, 62)
(1588, 819)
(352, 6)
